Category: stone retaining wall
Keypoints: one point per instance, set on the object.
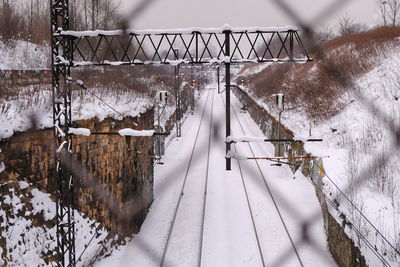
(122, 165)
(342, 248)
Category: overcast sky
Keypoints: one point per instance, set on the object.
(163, 14)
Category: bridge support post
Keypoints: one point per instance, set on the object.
(228, 95)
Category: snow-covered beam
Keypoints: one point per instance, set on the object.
(195, 46)
(193, 30)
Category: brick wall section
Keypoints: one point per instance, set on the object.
(114, 160)
(342, 248)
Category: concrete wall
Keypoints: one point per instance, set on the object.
(340, 245)
(113, 160)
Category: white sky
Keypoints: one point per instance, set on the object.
(163, 14)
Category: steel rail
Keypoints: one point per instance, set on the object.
(270, 192)
(249, 206)
(206, 185)
(181, 194)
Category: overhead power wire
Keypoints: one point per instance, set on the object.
(358, 210)
(350, 223)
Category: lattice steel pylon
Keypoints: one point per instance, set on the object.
(62, 119)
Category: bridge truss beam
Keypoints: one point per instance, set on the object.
(196, 46)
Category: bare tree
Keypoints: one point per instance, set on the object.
(325, 33)
(389, 11)
(10, 21)
(382, 11)
(94, 14)
(347, 26)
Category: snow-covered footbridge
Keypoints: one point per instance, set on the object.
(203, 215)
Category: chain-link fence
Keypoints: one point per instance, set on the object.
(342, 205)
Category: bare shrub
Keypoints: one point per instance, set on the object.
(348, 26)
(314, 84)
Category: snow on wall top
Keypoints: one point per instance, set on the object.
(219, 30)
(17, 116)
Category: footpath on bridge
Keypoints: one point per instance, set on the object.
(203, 215)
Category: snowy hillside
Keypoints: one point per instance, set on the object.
(28, 229)
(22, 55)
(359, 147)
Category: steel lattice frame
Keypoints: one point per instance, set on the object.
(62, 121)
(224, 45)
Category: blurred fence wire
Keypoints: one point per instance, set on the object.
(308, 31)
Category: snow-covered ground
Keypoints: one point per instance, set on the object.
(354, 140)
(27, 223)
(229, 236)
(22, 55)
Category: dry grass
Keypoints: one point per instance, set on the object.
(317, 86)
(125, 78)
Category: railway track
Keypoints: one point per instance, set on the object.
(205, 216)
(196, 176)
(179, 238)
(267, 191)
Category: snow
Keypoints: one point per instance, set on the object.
(26, 242)
(80, 83)
(220, 30)
(23, 184)
(59, 131)
(22, 55)
(60, 147)
(79, 131)
(17, 112)
(1, 260)
(253, 69)
(40, 204)
(234, 139)
(228, 238)
(2, 167)
(235, 155)
(131, 132)
(360, 135)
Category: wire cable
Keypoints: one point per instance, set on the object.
(357, 209)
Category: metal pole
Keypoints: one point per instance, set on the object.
(279, 134)
(177, 98)
(291, 33)
(228, 95)
(193, 89)
(159, 137)
(191, 82)
(218, 79)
